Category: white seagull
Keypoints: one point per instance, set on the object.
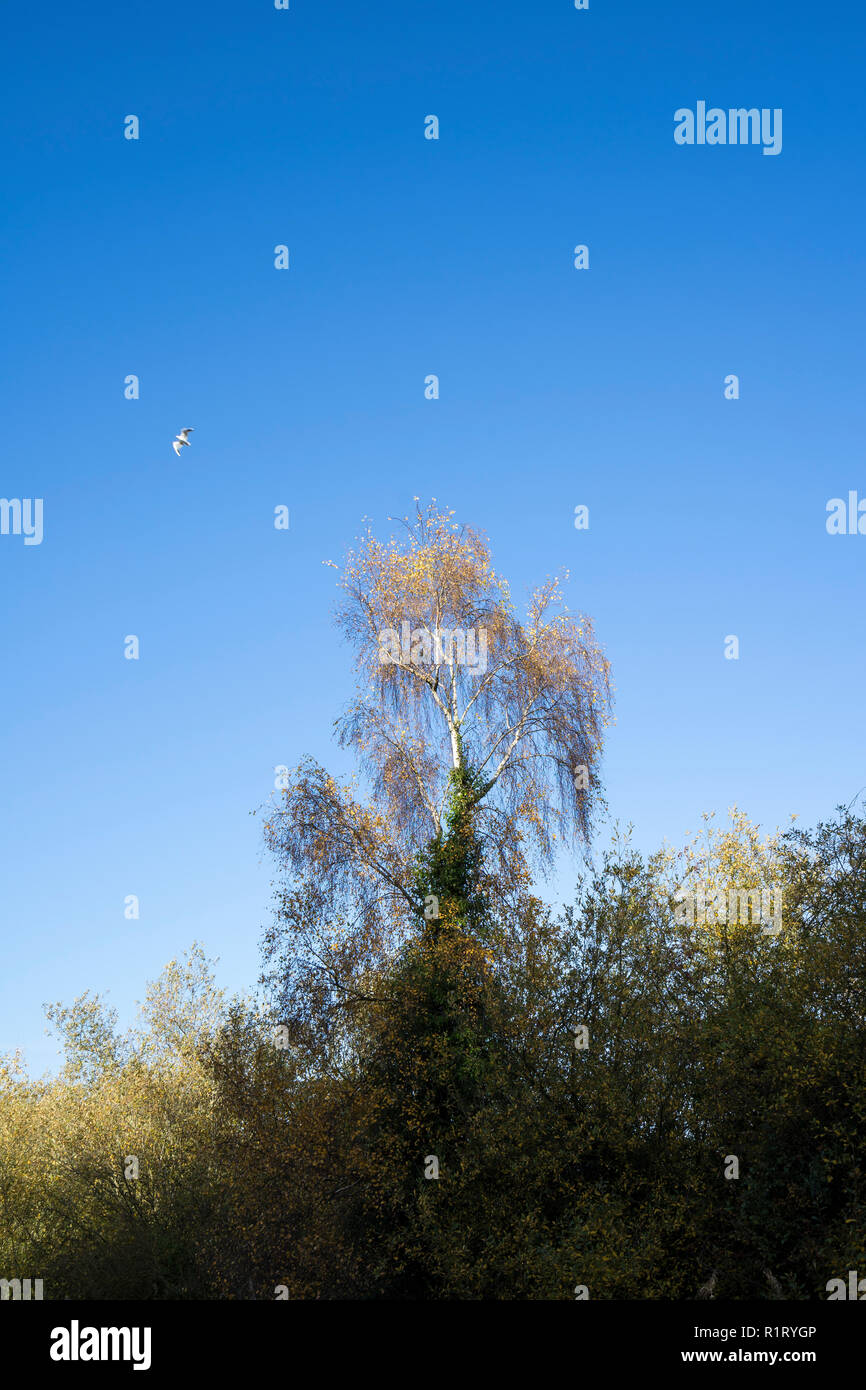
(181, 439)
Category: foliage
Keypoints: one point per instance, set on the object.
(304, 1166)
(410, 1111)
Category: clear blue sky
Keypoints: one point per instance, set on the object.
(306, 387)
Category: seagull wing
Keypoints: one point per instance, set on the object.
(176, 446)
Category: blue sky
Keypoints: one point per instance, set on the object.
(305, 387)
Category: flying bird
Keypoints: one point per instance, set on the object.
(181, 439)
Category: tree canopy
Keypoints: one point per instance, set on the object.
(446, 1089)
